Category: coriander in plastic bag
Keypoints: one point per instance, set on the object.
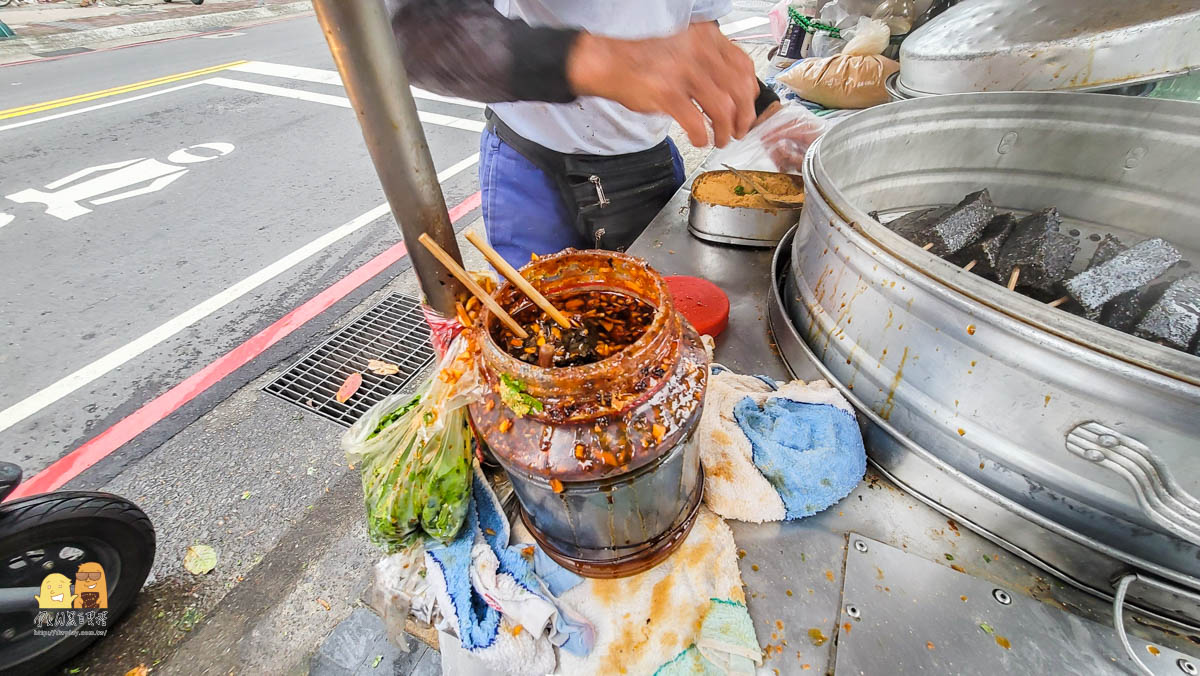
(414, 455)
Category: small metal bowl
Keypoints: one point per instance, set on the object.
(744, 226)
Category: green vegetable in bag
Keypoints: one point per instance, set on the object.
(415, 455)
(447, 480)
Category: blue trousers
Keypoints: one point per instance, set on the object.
(523, 212)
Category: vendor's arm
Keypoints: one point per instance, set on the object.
(467, 48)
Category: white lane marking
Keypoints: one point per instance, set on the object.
(98, 106)
(5, 219)
(743, 24)
(65, 386)
(139, 176)
(341, 101)
(331, 77)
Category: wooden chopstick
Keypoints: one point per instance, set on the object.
(518, 281)
(483, 296)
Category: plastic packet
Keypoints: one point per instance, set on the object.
(776, 143)
(414, 454)
(853, 79)
(871, 36)
(398, 589)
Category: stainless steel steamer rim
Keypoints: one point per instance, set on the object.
(1004, 45)
(971, 503)
(1126, 503)
(1004, 113)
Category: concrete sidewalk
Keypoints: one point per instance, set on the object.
(52, 29)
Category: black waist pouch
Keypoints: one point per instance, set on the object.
(611, 197)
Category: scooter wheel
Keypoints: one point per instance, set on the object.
(54, 533)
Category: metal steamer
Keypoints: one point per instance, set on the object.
(1070, 444)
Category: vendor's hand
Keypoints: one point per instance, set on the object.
(672, 75)
(787, 136)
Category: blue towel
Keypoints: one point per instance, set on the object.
(812, 454)
(478, 622)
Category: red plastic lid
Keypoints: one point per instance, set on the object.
(703, 303)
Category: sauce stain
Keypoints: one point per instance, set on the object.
(889, 405)
(817, 636)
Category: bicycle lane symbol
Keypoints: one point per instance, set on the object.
(106, 183)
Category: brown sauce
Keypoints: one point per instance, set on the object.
(603, 323)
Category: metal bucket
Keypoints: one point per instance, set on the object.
(1070, 443)
(743, 226)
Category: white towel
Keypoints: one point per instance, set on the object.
(733, 486)
(646, 619)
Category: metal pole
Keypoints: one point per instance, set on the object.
(368, 58)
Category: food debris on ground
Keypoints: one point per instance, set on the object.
(349, 386)
(929, 645)
(817, 636)
(382, 368)
(200, 559)
(323, 603)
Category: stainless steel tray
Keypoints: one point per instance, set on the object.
(1040, 45)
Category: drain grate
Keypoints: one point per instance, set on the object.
(392, 330)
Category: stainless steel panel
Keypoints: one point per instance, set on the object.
(971, 626)
(1040, 45)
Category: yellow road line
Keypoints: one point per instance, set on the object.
(124, 89)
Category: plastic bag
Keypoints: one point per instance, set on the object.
(399, 589)
(776, 143)
(778, 18)
(853, 79)
(414, 454)
(871, 36)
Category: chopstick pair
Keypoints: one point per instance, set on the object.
(505, 269)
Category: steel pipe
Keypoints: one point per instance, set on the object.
(368, 58)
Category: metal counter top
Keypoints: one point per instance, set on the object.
(794, 571)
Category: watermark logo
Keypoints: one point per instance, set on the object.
(82, 610)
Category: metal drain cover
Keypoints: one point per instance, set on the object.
(393, 330)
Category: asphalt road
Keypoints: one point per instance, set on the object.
(88, 284)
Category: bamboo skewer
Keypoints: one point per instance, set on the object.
(1058, 301)
(1012, 279)
(483, 296)
(518, 281)
(927, 247)
(969, 266)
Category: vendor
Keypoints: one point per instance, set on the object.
(581, 94)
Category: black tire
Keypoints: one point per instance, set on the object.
(101, 527)
(197, 2)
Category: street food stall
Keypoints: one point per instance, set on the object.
(1030, 504)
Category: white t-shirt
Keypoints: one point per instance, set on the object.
(589, 124)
